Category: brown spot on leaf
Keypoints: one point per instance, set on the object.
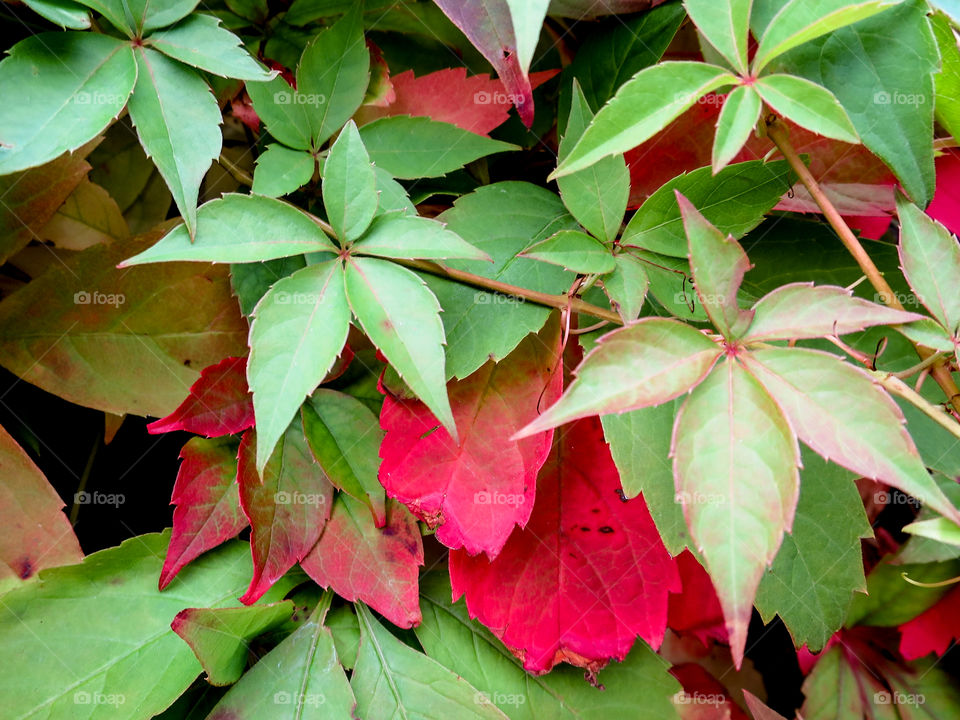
(606, 529)
(24, 568)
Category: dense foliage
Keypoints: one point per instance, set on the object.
(533, 359)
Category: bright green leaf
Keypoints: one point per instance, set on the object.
(286, 113)
(892, 601)
(417, 147)
(627, 286)
(725, 24)
(349, 186)
(298, 331)
(86, 80)
(402, 318)
(574, 251)
(404, 236)
(200, 41)
(737, 120)
(939, 529)
(527, 20)
(809, 105)
(65, 13)
(281, 171)
(641, 108)
(947, 81)
(178, 122)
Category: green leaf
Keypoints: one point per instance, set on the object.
(344, 437)
(641, 108)
(300, 678)
(891, 600)
(65, 13)
(393, 196)
(250, 281)
(800, 21)
(501, 219)
(638, 688)
(725, 24)
(840, 413)
(802, 310)
(640, 445)
(393, 680)
(238, 229)
(200, 41)
(527, 20)
(596, 196)
(395, 235)
(947, 81)
(220, 637)
(820, 564)
(930, 257)
(280, 170)
(178, 122)
(349, 186)
(889, 103)
(738, 487)
(647, 363)
(627, 286)
(718, 264)
(94, 639)
(87, 79)
(739, 116)
(939, 529)
(333, 74)
(417, 147)
(298, 331)
(574, 251)
(402, 318)
(286, 113)
(735, 200)
(809, 105)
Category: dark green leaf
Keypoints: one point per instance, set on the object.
(200, 41)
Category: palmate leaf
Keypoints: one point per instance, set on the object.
(137, 17)
(178, 122)
(87, 79)
(725, 24)
(349, 186)
(735, 462)
(641, 108)
(299, 329)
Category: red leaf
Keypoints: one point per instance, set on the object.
(477, 103)
(377, 566)
(477, 492)
(287, 509)
(208, 502)
(219, 403)
(932, 630)
(696, 610)
(588, 573)
(703, 696)
(945, 205)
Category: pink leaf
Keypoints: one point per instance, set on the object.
(933, 630)
(587, 574)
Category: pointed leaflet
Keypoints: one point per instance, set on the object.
(939, 529)
(392, 680)
(800, 21)
(417, 147)
(281, 170)
(349, 186)
(344, 437)
(101, 629)
(298, 331)
(300, 678)
(726, 25)
(645, 363)
(739, 116)
(574, 251)
(596, 196)
(286, 113)
(35, 532)
(735, 462)
(820, 564)
(627, 286)
(639, 688)
(588, 573)
(930, 257)
(478, 490)
(490, 27)
(758, 709)
(802, 310)
(808, 105)
(838, 411)
(402, 318)
(240, 228)
(200, 41)
(67, 14)
(641, 108)
(220, 637)
(178, 123)
(89, 216)
(717, 265)
(219, 403)
(396, 235)
(735, 200)
(87, 79)
(287, 509)
(208, 503)
(377, 566)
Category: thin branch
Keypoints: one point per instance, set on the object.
(236, 172)
(896, 386)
